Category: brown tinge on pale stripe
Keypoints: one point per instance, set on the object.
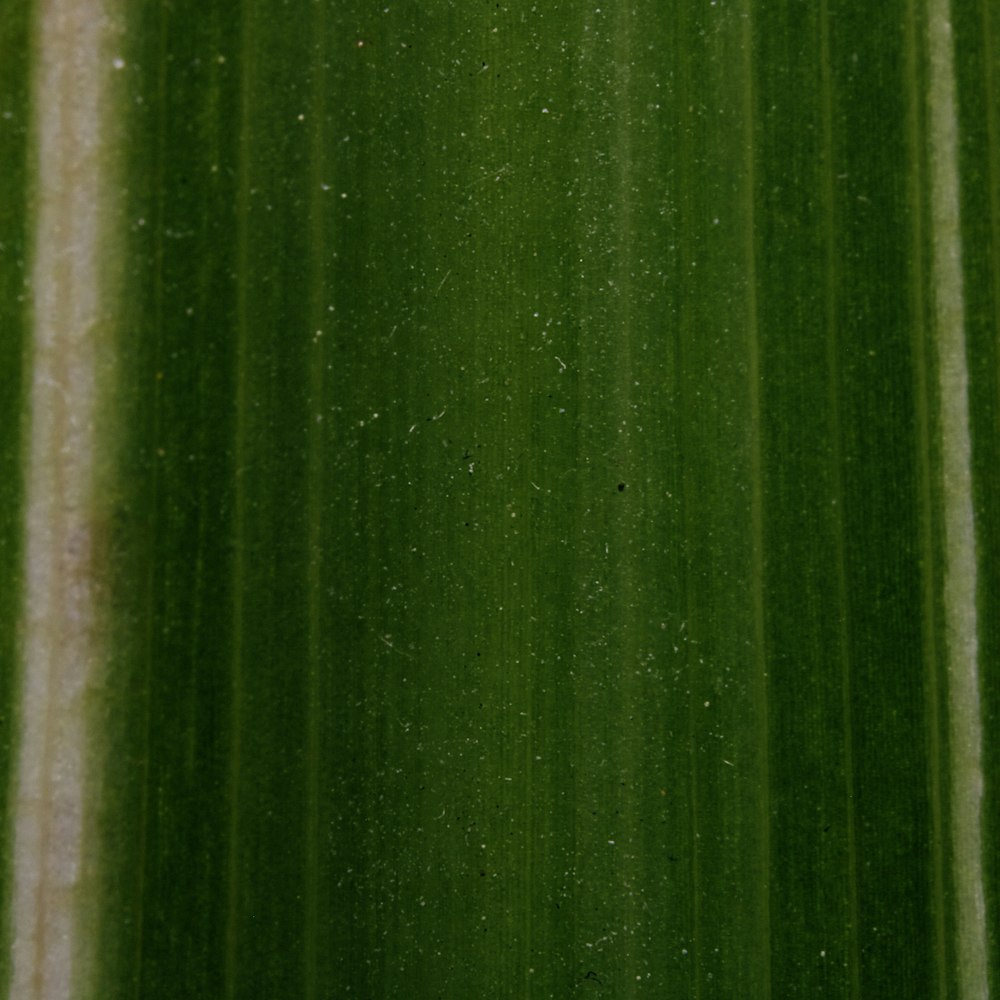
(61, 640)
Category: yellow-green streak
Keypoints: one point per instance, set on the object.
(961, 626)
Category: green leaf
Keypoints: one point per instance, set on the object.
(501, 499)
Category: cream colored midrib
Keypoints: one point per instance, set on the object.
(60, 636)
(961, 625)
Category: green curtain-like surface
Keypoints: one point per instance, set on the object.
(528, 543)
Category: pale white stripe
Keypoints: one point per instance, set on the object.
(961, 627)
(60, 645)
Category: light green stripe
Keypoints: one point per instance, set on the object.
(960, 569)
(930, 562)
